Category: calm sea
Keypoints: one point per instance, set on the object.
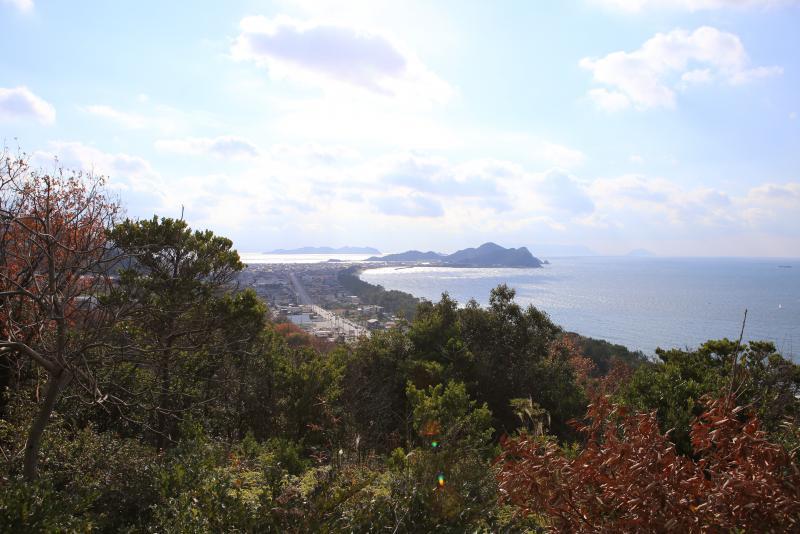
(257, 257)
(642, 303)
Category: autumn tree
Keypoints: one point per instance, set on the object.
(54, 267)
(629, 477)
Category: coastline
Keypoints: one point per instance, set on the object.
(601, 351)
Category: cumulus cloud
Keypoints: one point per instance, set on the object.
(288, 189)
(124, 171)
(128, 120)
(163, 119)
(436, 176)
(25, 6)
(563, 192)
(221, 147)
(788, 193)
(314, 153)
(21, 103)
(323, 53)
(647, 77)
(415, 205)
(663, 208)
(559, 155)
(634, 6)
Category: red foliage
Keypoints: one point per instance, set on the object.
(52, 233)
(297, 337)
(629, 478)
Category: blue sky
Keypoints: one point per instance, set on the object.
(670, 125)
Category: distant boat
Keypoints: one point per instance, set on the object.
(784, 266)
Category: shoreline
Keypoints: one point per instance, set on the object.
(601, 348)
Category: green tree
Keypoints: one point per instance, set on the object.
(180, 319)
(447, 479)
(675, 387)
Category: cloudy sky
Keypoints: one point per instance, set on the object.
(671, 125)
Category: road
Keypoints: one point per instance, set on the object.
(349, 328)
(299, 290)
(334, 322)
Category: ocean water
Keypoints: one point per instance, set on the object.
(258, 258)
(642, 303)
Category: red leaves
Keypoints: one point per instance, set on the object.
(629, 478)
(55, 259)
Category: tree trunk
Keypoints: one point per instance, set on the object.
(55, 385)
(163, 402)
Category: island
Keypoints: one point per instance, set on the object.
(641, 253)
(410, 255)
(486, 255)
(326, 250)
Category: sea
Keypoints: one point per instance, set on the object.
(258, 257)
(641, 303)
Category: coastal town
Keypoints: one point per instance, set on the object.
(312, 297)
(330, 302)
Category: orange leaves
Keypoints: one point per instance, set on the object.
(629, 478)
(55, 258)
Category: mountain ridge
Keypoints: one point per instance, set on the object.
(486, 255)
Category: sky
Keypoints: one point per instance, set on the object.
(667, 125)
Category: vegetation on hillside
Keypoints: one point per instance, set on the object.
(142, 392)
(393, 301)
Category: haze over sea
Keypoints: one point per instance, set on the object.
(641, 303)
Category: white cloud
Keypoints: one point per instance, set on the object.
(306, 191)
(324, 54)
(128, 120)
(564, 193)
(647, 76)
(558, 155)
(415, 205)
(21, 103)
(696, 76)
(221, 147)
(756, 73)
(25, 6)
(634, 6)
(610, 101)
(161, 118)
(314, 153)
(658, 208)
(124, 171)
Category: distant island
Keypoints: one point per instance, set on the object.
(486, 255)
(641, 253)
(326, 250)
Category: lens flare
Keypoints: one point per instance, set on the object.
(434, 444)
(440, 479)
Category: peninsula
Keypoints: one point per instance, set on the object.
(486, 255)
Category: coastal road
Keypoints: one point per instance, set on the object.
(334, 322)
(340, 323)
